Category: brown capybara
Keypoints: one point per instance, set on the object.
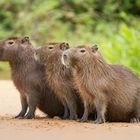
(113, 89)
(59, 77)
(28, 77)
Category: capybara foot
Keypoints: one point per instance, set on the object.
(20, 115)
(66, 115)
(73, 117)
(83, 119)
(99, 121)
(29, 116)
(135, 120)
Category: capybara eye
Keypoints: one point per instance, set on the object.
(50, 47)
(82, 51)
(10, 42)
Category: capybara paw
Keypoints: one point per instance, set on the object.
(19, 116)
(65, 116)
(73, 117)
(83, 119)
(16, 117)
(29, 116)
(135, 120)
(99, 121)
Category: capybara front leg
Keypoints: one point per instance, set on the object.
(66, 111)
(32, 103)
(86, 112)
(101, 110)
(24, 106)
(72, 109)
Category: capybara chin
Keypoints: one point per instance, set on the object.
(28, 77)
(59, 78)
(113, 89)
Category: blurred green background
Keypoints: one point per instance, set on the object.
(113, 24)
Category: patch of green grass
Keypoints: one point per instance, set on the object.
(4, 70)
(119, 44)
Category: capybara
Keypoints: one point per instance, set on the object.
(59, 77)
(114, 90)
(28, 77)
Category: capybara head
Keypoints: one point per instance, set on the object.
(80, 55)
(51, 51)
(9, 47)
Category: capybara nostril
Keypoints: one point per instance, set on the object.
(65, 56)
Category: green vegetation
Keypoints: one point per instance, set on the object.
(4, 70)
(113, 24)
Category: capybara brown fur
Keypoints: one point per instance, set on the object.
(114, 90)
(59, 77)
(28, 77)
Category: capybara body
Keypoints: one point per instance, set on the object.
(28, 77)
(59, 78)
(113, 90)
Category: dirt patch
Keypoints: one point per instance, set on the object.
(46, 128)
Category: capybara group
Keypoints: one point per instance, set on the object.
(28, 77)
(113, 90)
(59, 77)
(55, 78)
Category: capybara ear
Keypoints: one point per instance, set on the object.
(94, 48)
(64, 46)
(25, 42)
(25, 39)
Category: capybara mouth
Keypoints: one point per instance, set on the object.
(36, 57)
(37, 54)
(64, 60)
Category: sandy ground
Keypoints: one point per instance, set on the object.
(54, 129)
